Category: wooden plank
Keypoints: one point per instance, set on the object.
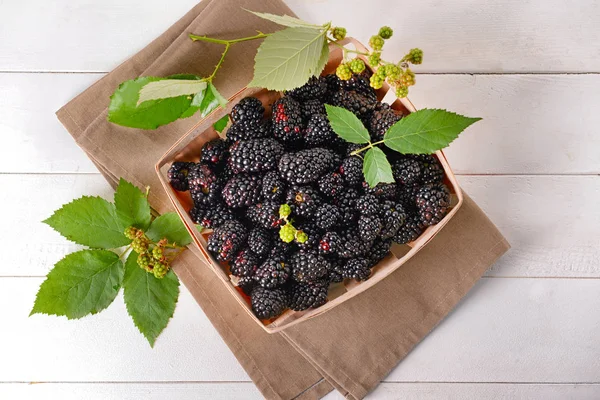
(456, 35)
(247, 391)
(525, 127)
(553, 223)
(506, 330)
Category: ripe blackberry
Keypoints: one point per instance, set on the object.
(393, 216)
(313, 233)
(353, 147)
(381, 120)
(178, 175)
(259, 241)
(352, 170)
(407, 171)
(382, 190)
(357, 269)
(214, 152)
(247, 284)
(272, 273)
(280, 250)
(352, 245)
(268, 303)
(318, 131)
(247, 110)
(433, 172)
(410, 230)
(407, 195)
(327, 216)
(306, 166)
(287, 120)
(255, 155)
(242, 191)
(354, 102)
(308, 295)
(245, 263)
(312, 107)
(369, 227)
(308, 266)
(359, 83)
(368, 205)
(304, 200)
(330, 244)
(273, 187)
(265, 215)
(378, 252)
(227, 239)
(205, 186)
(331, 184)
(251, 130)
(212, 216)
(433, 203)
(346, 202)
(335, 272)
(315, 88)
(333, 84)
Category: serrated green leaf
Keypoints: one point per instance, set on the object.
(150, 301)
(376, 167)
(286, 20)
(132, 206)
(196, 104)
(347, 125)
(169, 225)
(426, 131)
(288, 58)
(168, 88)
(82, 283)
(221, 124)
(90, 221)
(212, 99)
(123, 109)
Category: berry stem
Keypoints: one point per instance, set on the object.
(345, 49)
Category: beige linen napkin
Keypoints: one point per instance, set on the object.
(350, 348)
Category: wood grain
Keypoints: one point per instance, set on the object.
(456, 35)
(505, 330)
(526, 127)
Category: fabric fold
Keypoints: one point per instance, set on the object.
(311, 359)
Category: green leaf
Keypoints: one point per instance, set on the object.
(285, 20)
(221, 124)
(123, 109)
(132, 206)
(288, 58)
(90, 221)
(347, 125)
(195, 105)
(211, 100)
(168, 88)
(169, 225)
(82, 283)
(426, 131)
(150, 301)
(376, 167)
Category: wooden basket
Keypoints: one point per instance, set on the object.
(188, 149)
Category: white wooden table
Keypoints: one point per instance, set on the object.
(529, 329)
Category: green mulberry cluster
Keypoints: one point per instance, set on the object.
(152, 257)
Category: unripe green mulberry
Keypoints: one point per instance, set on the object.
(338, 33)
(376, 81)
(408, 78)
(145, 262)
(386, 32)
(393, 71)
(284, 210)
(401, 91)
(160, 270)
(357, 65)
(343, 72)
(140, 244)
(157, 253)
(287, 233)
(374, 58)
(131, 232)
(414, 56)
(301, 237)
(376, 42)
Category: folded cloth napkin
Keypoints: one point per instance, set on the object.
(350, 348)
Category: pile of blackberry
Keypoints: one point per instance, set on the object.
(293, 157)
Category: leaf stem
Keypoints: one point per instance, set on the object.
(369, 146)
(334, 42)
(124, 251)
